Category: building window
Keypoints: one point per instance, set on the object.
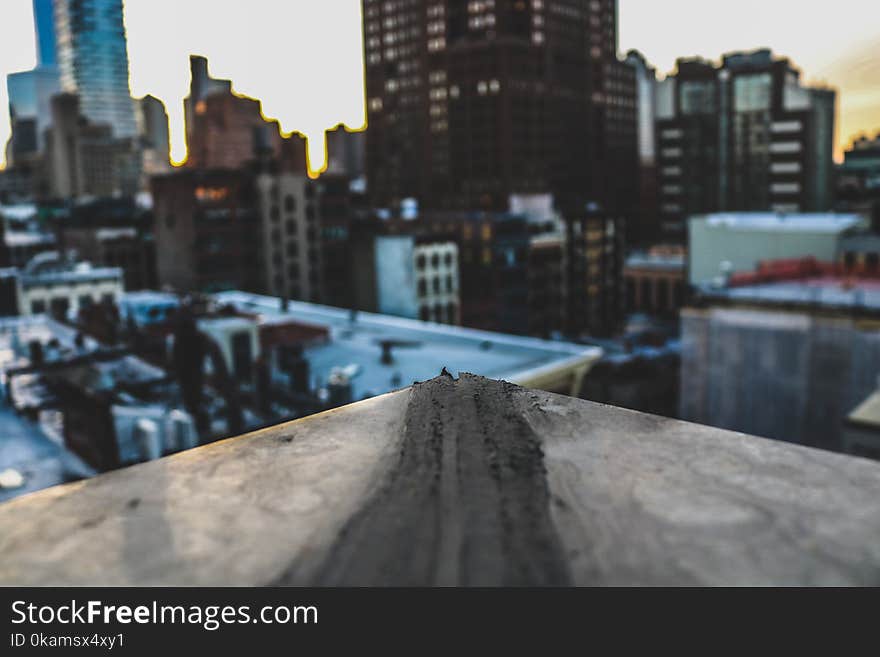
(420, 262)
(289, 203)
(58, 307)
(38, 307)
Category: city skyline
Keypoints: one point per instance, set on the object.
(854, 70)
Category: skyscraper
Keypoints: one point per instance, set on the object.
(93, 61)
(30, 92)
(470, 102)
(742, 136)
(44, 23)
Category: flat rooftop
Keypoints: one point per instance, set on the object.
(676, 262)
(425, 350)
(830, 292)
(17, 332)
(41, 461)
(78, 274)
(779, 222)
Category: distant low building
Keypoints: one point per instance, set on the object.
(858, 179)
(51, 283)
(725, 243)
(108, 407)
(21, 235)
(417, 278)
(208, 231)
(656, 281)
(112, 232)
(289, 205)
(785, 352)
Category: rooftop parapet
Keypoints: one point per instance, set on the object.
(461, 482)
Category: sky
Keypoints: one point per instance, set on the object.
(303, 58)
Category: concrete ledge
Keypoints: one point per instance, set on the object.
(461, 482)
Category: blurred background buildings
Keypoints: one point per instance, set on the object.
(527, 203)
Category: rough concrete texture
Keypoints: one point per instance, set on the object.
(470, 482)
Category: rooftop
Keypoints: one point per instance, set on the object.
(18, 212)
(664, 262)
(461, 482)
(41, 461)
(826, 291)
(25, 238)
(776, 222)
(421, 349)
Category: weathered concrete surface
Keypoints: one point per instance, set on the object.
(461, 482)
(466, 502)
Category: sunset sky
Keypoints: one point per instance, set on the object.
(303, 59)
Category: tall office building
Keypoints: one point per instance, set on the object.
(470, 102)
(30, 92)
(742, 136)
(93, 61)
(85, 159)
(152, 122)
(44, 24)
(644, 227)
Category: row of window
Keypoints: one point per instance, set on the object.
(437, 285)
(441, 313)
(60, 305)
(422, 260)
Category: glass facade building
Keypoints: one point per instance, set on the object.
(44, 23)
(93, 61)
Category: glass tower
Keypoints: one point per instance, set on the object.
(93, 61)
(44, 23)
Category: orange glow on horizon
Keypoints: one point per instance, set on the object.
(269, 53)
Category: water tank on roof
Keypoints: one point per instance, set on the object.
(339, 387)
(183, 433)
(148, 439)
